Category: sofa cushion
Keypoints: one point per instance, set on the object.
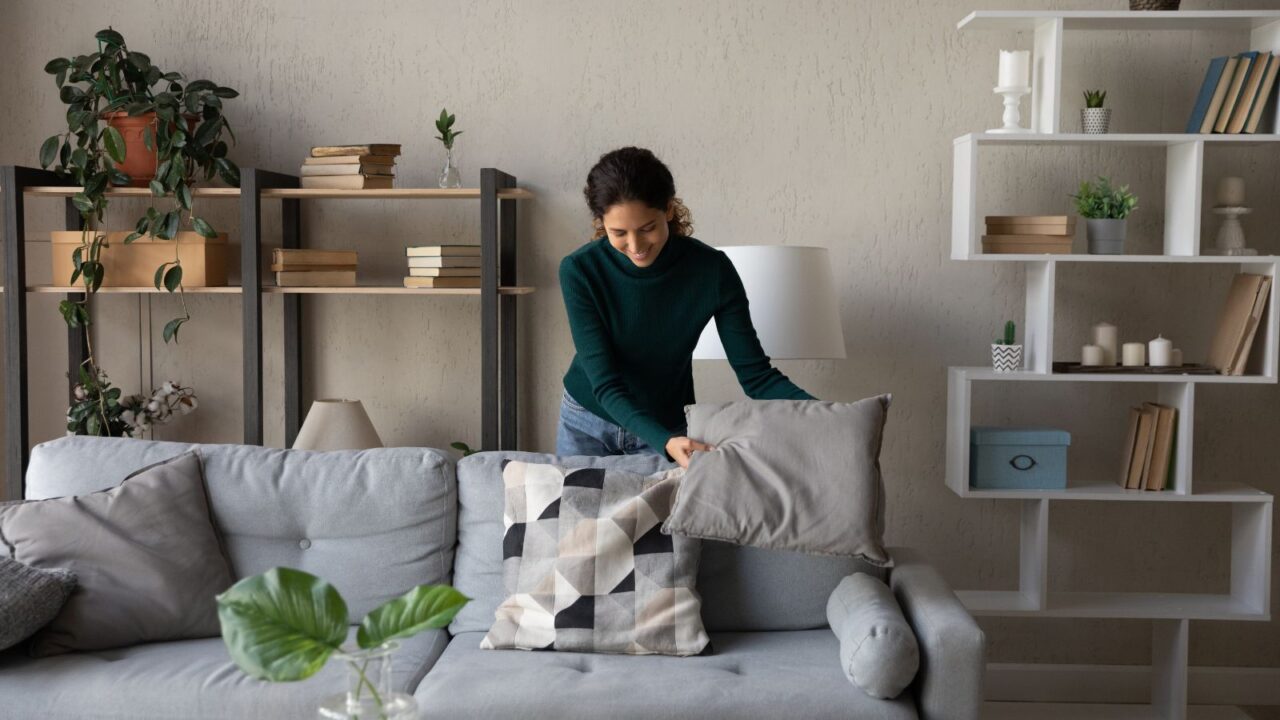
(587, 568)
(751, 676)
(328, 513)
(29, 598)
(188, 679)
(730, 578)
(878, 650)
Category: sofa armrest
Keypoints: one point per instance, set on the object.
(952, 646)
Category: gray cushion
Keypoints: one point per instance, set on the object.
(29, 598)
(729, 577)
(750, 676)
(801, 475)
(145, 552)
(878, 651)
(188, 679)
(326, 513)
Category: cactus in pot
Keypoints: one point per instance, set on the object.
(1006, 355)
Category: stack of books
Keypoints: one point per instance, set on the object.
(1148, 461)
(314, 268)
(443, 266)
(1238, 323)
(350, 167)
(1236, 95)
(1029, 234)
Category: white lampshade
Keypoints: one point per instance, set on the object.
(337, 425)
(792, 299)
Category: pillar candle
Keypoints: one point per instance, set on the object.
(1135, 354)
(1105, 337)
(1160, 351)
(1015, 69)
(1092, 355)
(1176, 357)
(1231, 192)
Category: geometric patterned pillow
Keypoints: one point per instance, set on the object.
(587, 567)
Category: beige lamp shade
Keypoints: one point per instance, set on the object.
(792, 299)
(337, 425)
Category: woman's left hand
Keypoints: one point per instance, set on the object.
(681, 448)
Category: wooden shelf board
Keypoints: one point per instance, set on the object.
(983, 372)
(63, 289)
(389, 290)
(1242, 20)
(1114, 605)
(1083, 258)
(1133, 139)
(1221, 492)
(392, 194)
(64, 191)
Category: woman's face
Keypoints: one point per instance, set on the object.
(637, 230)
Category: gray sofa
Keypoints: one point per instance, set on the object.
(375, 523)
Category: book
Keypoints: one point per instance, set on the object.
(347, 169)
(1156, 475)
(437, 261)
(442, 250)
(302, 267)
(1026, 244)
(1135, 415)
(444, 272)
(379, 160)
(1143, 444)
(1055, 230)
(1249, 93)
(1263, 101)
(1219, 95)
(1207, 89)
(313, 278)
(1233, 321)
(1241, 360)
(299, 256)
(341, 150)
(1030, 220)
(1233, 91)
(442, 282)
(347, 182)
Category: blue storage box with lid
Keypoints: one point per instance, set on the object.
(1003, 458)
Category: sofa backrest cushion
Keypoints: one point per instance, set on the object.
(374, 523)
(742, 588)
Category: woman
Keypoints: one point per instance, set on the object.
(638, 298)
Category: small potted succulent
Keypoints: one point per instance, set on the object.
(1154, 4)
(1094, 118)
(449, 176)
(1005, 355)
(1106, 209)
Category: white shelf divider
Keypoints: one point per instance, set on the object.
(1033, 553)
(1038, 320)
(1169, 658)
(1266, 36)
(1251, 555)
(1183, 397)
(1046, 76)
(964, 200)
(1264, 362)
(1184, 178)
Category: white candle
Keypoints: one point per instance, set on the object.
(1015, 68)
(1231, 192)
(1092, 355)
(1160, 351)
(1105, 337)
(1135, 354)
(1176, 357)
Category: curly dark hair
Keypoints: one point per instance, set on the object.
(633, 173)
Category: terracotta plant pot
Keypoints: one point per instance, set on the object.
(139, 162)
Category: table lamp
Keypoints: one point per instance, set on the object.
(334, 424)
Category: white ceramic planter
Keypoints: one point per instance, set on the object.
(1006, 358)
(1095, 121)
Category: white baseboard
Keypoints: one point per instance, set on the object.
(1027, 682)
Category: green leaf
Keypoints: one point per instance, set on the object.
(201, 85)
(110, 37)
(173, 278)
(131, 237)
(149, 138)
(226, 93)
(171, 329)
(422, 608)
(183, 194)
(157, 188)
(228, 171)
(159, 279)
(205, 229)
(49, 151)
(139, 60)
(171, 221)
(114, 141)
(82, 203)
(71, 94)
(282, 625)
(57, 65)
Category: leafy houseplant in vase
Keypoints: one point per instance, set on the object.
(1005, 355)
(1106, 209)
(449, 176)
(1095, 119)
(285, 624)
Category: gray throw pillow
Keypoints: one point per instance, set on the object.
(878, 650)
(29, 599)
(146, 554)
(800, 475)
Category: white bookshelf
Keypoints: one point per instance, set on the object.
(1248, 596)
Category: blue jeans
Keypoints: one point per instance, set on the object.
(582, 432)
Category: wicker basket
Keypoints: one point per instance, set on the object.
(1154, 4)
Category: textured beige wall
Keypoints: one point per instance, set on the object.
(826, 123)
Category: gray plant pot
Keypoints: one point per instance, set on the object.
(1106, 236)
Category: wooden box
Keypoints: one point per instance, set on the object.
(1026, 244)
(204, 260)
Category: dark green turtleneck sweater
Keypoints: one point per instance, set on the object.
(634, 330)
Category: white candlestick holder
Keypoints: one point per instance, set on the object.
(1230, 239)
(1012, 113)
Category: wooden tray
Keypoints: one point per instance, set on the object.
(1186, 369)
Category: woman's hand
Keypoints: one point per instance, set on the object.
(681, 449)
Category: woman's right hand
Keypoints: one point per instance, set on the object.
(681, 448)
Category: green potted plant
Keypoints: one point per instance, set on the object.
(1094, 118)
(1106, 209)
(285, 624)
(449, 176)
(1006, 354)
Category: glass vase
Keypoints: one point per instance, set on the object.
(369, 695)
(449, 175)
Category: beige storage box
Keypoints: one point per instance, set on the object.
(204, 260)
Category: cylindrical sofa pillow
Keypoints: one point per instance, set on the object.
(878, 651)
